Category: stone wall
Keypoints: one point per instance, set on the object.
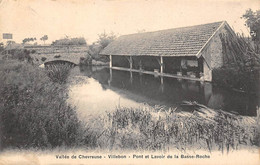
(52, 53)
(213, 55)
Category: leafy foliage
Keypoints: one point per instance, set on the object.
(21, 55)
(253, 22)
(103, 40)
(28, 40)
(233, 77)
(242, 62)
(44, 38)
(70, 42)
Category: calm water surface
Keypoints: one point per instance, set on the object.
(103, 89)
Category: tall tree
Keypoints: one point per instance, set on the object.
(28, 40)
(44, 38)
(252, 20)
(104, 39)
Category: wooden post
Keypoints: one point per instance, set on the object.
(131, 63)
(161, 62)
(161, 80)
(110, 61)
(162, 86)
(110, 77)
(131, 77)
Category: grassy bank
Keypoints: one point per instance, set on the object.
(34, 113)
(151, 128)
(33, 109)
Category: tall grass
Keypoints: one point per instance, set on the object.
(59, 72)
(160, 129)
(33, 109)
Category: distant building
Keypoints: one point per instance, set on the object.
(188, 52)
(7, 36)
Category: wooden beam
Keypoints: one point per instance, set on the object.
(153, 73)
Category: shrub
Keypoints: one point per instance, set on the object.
(21, 55)
(85, 61)
(245, 80)
(69, 42)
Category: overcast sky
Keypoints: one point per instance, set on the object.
(78, 18)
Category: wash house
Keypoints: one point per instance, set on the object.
(188, 52)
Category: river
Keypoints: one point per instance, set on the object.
(101, 89)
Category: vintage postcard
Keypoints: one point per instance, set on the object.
(129, 82)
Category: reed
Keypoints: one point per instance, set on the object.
(58, 73)
(157, 128)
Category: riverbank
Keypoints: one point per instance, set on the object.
(33, 108)
(189, 127)
(35, 115)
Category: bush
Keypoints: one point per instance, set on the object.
(85, 61)
(21, 55)
(69, 42)
(245, 80)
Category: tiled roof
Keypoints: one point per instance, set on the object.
(186, 41)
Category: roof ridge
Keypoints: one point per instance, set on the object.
(191, 26)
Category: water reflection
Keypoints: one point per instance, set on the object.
(106, 88)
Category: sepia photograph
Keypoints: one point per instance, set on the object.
(129, 82)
